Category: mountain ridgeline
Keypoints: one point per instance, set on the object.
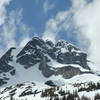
(61, 58)
(43, 70)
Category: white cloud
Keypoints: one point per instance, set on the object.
(51, 30)
(47, 6)
(14, 31)
(88, 21)
(84, 16)
(24, 42)
(3, 4)
(56, 24)
(77, 4)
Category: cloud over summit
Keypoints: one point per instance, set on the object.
(87, 19)
(12, 30)
(84, 20)
(80, 21)
(3, 4)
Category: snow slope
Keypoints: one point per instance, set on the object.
(39, 57)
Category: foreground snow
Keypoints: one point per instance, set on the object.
(33, 90)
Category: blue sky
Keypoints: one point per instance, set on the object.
(48, 19)
(20, 20)
(77, 21)
(35, 16)
(33, 11)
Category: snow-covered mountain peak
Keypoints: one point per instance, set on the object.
(43, 62)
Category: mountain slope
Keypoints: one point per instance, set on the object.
(44, 64)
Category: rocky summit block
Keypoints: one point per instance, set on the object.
(62, 51)
(40, 51)
(44, 53)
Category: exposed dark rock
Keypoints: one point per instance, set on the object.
(8, 56)
(13, 91)
(5, 67)
(6, 89)
(68, 71)
(33, 51)
(13, 72)
(50, 83)
(2, 82)
(19, 85)
(46, 71)
(41, 52)
(5, 78)
(5, 59)
(26, 92)
(36, 51)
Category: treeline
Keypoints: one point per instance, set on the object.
(57, 93)
(65, 95)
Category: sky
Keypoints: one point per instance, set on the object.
(76, 21)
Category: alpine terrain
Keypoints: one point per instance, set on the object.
(44, 70)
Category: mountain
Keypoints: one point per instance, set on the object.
(44, 65)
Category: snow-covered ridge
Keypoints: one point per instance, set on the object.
(44, 64)
(37, 91)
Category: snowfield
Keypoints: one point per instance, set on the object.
(46, 71)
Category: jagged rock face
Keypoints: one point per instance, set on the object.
(69, 54)
(4, 61)
(31, 53)
(65, 72)
(50, 83)
(71, 58)
(68, 72)
(45, 68)
(6, 67)
(62, 52)
(38, 51)
(2, 81)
